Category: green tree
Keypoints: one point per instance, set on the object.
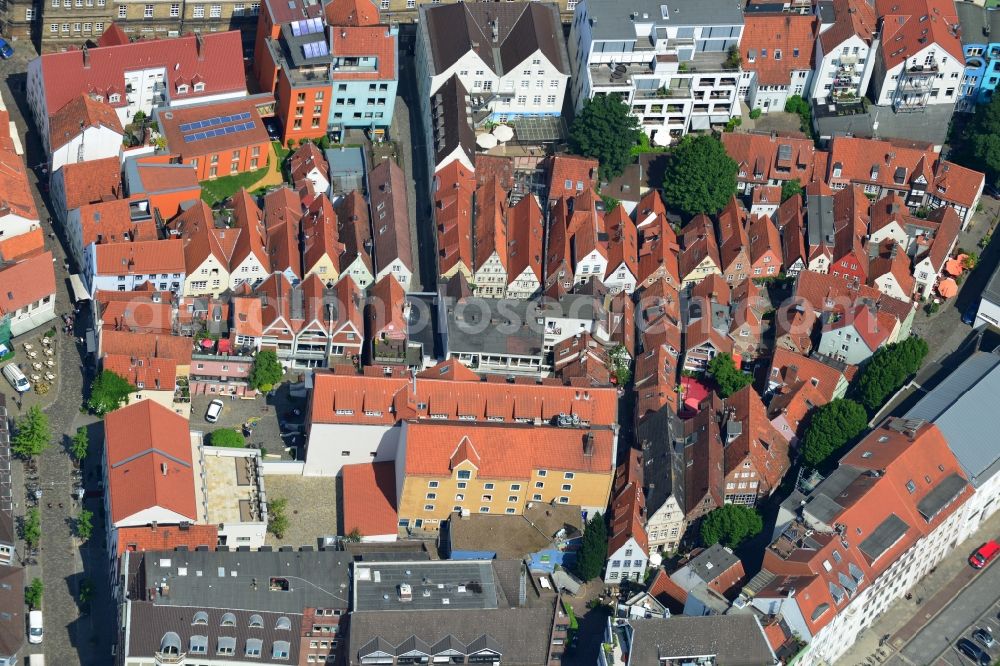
(795, 104)
(701, 176)
(594, 549)
(84, 524)
(79, 445)
(108, 392)
(889, 367)
(354, 536)
(227, 437)
(31, 434)
(33, 594)
(31, 529)
(620, 364)
(277, 521)
(731, 525)
(606, 130)
(832, 426)
(980, 143)
(791, 188)
(728, 380)
(266, 371)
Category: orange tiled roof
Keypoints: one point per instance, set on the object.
(156, 374)
(319, 231)
(524, 239)
(137, 344)
(570, 175)
(491, 223)
(386, 306)
(26, 282)
(111, 222)
(353, 230)
(22, 245)
(247, 316)
(138, 315)
(148, 458)
(957, 184)
(365, 42)
(504, 451)
(136, 258)
(453, 216)
(824, 293)
(351, 12)
(762, 157)
(852, 17)
(775, 45)
(80, 113)
(628, 505)
(622, 242)
(370, 498)
(889, 164)
(148, 538)
(91, 182)
(758, 440)
(910, 26)
(15, 191)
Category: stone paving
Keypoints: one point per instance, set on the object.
(71, 637)
(271, 410)
(312, 508)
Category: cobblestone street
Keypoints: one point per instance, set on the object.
(71, 637)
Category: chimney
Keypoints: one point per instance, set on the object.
(791, 374)
(163, 468)
(588, 444)
(200, 44)
(86, 58)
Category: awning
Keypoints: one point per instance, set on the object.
(699, 122)
(718, 119)
(80, 292)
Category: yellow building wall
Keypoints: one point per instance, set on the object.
(434, 498)
(325, 269)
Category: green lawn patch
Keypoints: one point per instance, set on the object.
(214, 192)
(281, 151)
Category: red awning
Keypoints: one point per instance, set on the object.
(947, 288)
(224, 346)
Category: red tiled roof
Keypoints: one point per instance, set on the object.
(396, 399)
(956, 184)
(386, 306)
(154, 374)
(622, 242)
(852, 17)
(215, 59)
(22, 245)
(758, 157)
(569, 175)
(160, 256)
(524, 239)
(944, 239)
(824, 377)
(628, 505)
(491, 223)
(110, 221)
(390, 216)
(282, 214)
(910, 26)
(699, 243)
(893, 165)
(78, 114)
(353, 230)
(27, 281)
(15, 191)
(490, 166)
(775, 45)
(370, 498)
(892, 259)
(365, 42)
(91, 182)
(113, 35)
(139, 344)
(247, 316)
(148, 538)
(453, 216)
(319, 231)
(825, 293)
(351, 13)
(873, 326)
(177, 140)
(504, 451)
(305, 159)
(137, 315)
(758, 441)
(765, 240)
(148, 458)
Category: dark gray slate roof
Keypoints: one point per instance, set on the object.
(12, 617)
(929, 125)
(941, 496)
(712, 562)
(956, 406)
(458, 585)
(241, 580)
(521, 29)
(612, 19)
(992, 291)
(979, 25)
(520, 635)
(451, 122)
(733, 640)
(662, 459)
(888, 532)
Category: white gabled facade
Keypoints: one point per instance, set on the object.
(525, 285)
(665, 526)
(398, 270)
(889, 285)
(845, 72)
(359, 272)
(249, 271)
(594, 264)
(628, 562)
(670, 68)
(929, 76)
(620, 278)
(491, 278)
(93, 143)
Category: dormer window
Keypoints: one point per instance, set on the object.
(114, 98)
(198, 87)
(182, 88)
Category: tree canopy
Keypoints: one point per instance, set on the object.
(277, 519)
(266, 371)
(791, 188)
(887, 369)
(701, 176)
(227, 437)
(31, 433)
(605, 130)
(79, 445)
(728, 380)
(594, 550)
(31, 528)
(832, 426)
(980, 142)
(731, 525)
(108, 392)
(85, 524)
(33, 594)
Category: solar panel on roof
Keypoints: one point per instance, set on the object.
(230, 130)
(186, 127)
(296, 29)
(216, 121)
(317, 24)
(188, 139)
(199, 136)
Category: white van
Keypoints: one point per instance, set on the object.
(36, 660)
(16, 378)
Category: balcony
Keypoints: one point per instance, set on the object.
(922, 70)
(662, 93)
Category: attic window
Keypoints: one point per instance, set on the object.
(866, 454)
(911, 487)
(114, 98)
(198, 87)
(182, 88)
(795, 52)
(278, 584)
(777, 54)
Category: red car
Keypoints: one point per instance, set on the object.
(982, 556)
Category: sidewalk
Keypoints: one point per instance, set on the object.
(904, 619)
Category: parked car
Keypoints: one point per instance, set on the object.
(982, 556)
(973, 652)
(984, 637)
(969, 316)
(6, 50)
(35, 632)
(214, 410)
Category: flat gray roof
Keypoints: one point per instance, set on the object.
(493, 326)
(957, 407)
(930, 123)
(614, 20)
(888, 532)
(733, 640)
(941, 496)
(991, 292)
(244, 580)
(439, 585)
